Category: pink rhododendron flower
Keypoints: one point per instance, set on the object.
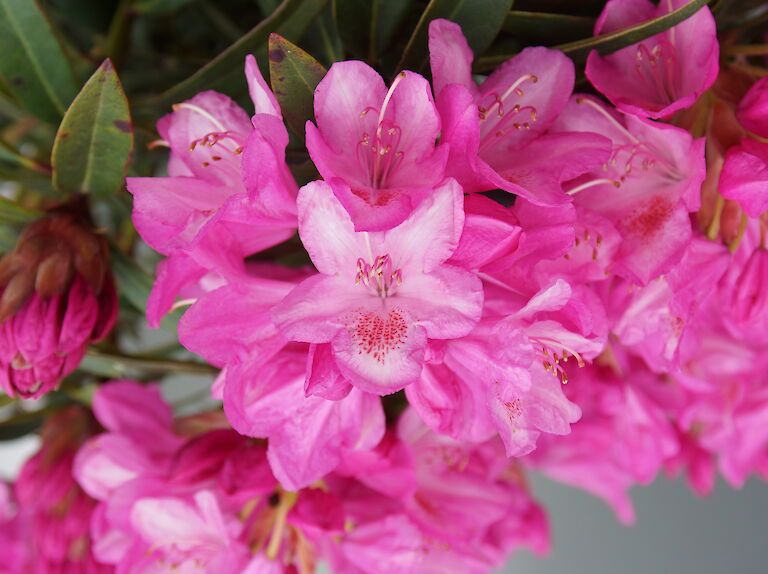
(53, 512)
(744, 178)
(752, 111)
(647, 188)
(496, 132)
(622, 439)
(376, 147)
(227, 178)
(662, 74)
(380, 296)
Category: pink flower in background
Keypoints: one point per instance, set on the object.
(379, 296)
(497, 132)
(662, 74)
(53, 512)
(376, 147)
(744, 178)
(752, 111)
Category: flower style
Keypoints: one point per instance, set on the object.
(380, 296)
(663, 74)
(376, 147)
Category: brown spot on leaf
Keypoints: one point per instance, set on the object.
(123, 126)
(277, 55)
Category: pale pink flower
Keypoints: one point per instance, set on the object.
(376, 146)
(662, 74)
(380, 296)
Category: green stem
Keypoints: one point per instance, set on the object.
(116, 365)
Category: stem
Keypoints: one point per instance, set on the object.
(7, 151)
(734, 245)
(749, 69)
(119, 32)
(116, 365)
(747, 49)
(714, 226)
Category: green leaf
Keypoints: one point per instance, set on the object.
(225, 72)
(122, 366)
(33, 66)
(95, 139)
(11, 212)
(159, 6)
(132, 282)
(480, 20)
(366, 27)
(293, 74)
(545, 27)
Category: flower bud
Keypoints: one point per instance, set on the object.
(56, 296)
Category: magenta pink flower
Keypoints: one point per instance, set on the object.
(54, 514)
(752, 112)
(376, 147)
(623, 438)
(308, 435)
(662, 74)
(744, 178)
(227, 178)
(496, 132)
(380, 296)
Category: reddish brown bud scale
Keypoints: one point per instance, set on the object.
(56, 296)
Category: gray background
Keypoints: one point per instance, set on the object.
(675, 532)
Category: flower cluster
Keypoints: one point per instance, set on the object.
(484, 278)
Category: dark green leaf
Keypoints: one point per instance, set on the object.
(225, 72)
(121, 366)
(20, 426)
(366, 26)
(94, 142)
(545, 27)
(294, 74)
(11, 212)
(159, 6)
(480, 20)
(32, 64)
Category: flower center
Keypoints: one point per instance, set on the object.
(656, 67)
(224, 143)
(381, 278)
